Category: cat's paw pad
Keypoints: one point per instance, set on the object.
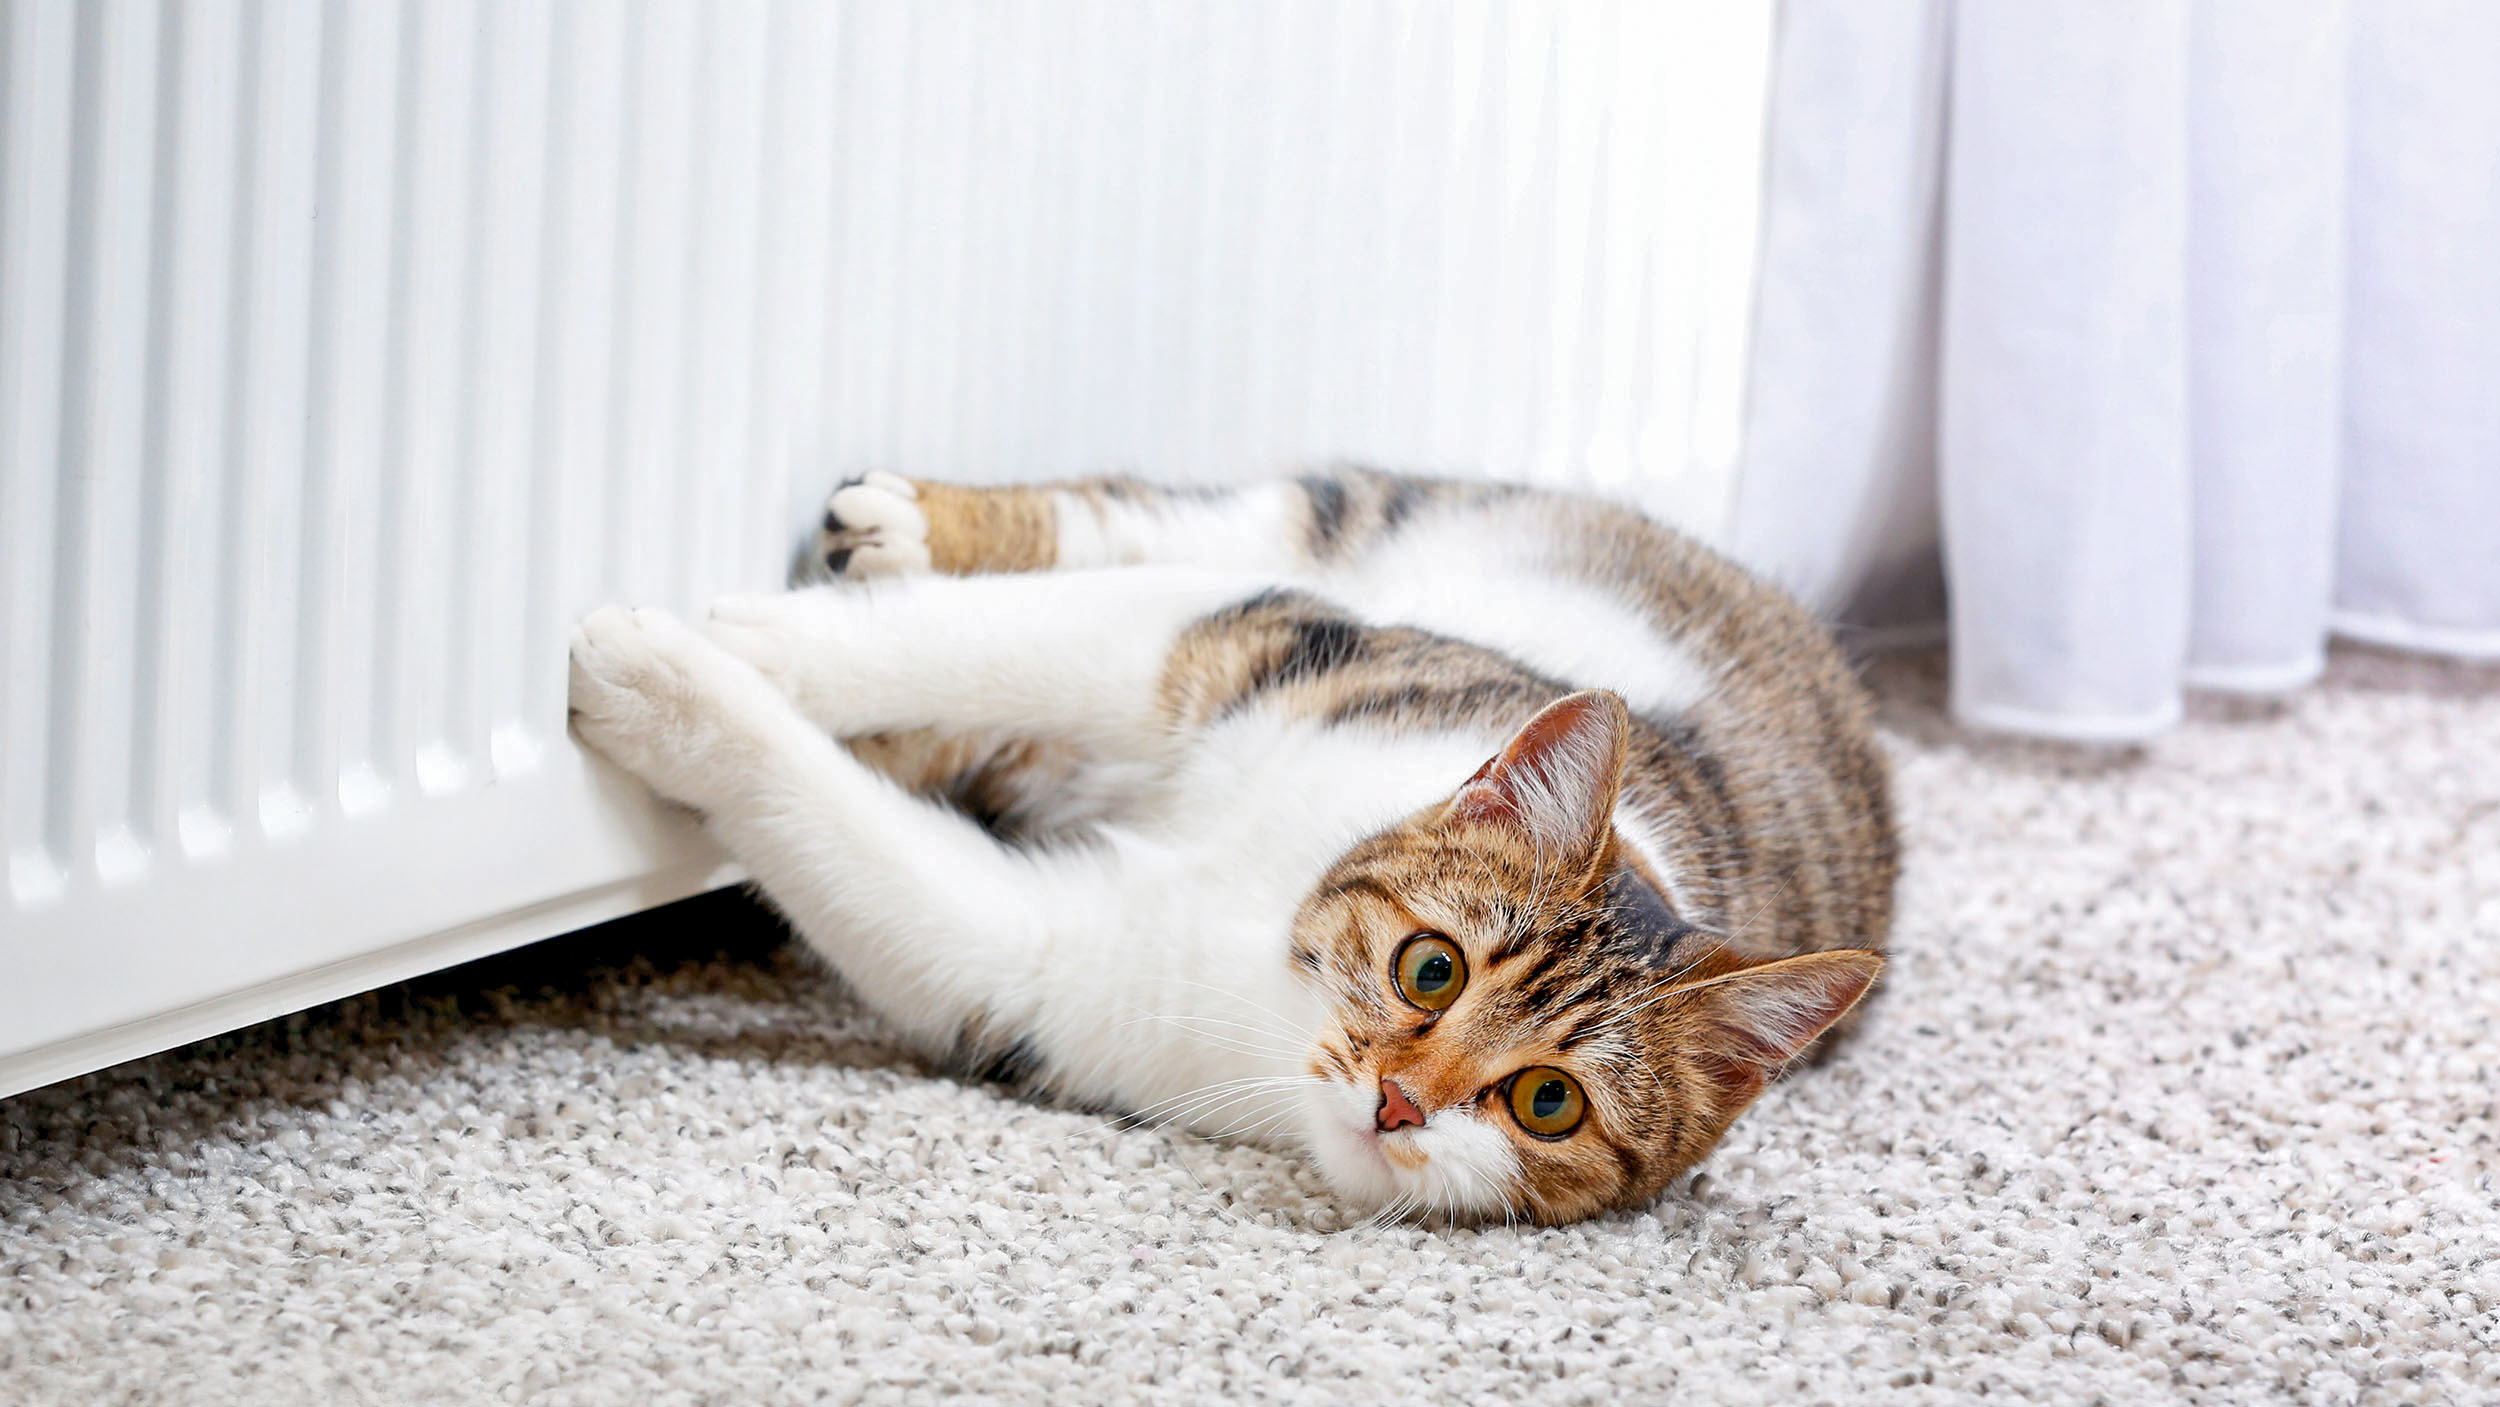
(873, 528)
(658, 699)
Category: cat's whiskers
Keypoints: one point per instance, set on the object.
(1213, 1202)
(1372, 1220)
(1294, 1047)
(1208, 1021)
(1765, 906)
(1161, 1115)
(1395, 1209)
(1291, 1049)
(1258, 1128)
(1285, 1025)
(1221, 1041)
(1189, 1120)
(1163, 1109)
(1263, 1126)
(1203, 1113)
(1673, 983)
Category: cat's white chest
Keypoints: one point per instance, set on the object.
(1215, 864)
(1266, 803)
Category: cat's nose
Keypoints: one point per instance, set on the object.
(1396, 1110)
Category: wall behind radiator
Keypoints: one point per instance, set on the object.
(349, 351)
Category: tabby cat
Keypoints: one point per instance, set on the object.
(1491, 846)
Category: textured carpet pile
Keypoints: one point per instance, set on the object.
(2183, 1087)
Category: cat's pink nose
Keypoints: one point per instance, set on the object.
(1396, 1110)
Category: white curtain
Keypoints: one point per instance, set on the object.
(2144, 344)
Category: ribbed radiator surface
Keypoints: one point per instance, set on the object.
(349, 351)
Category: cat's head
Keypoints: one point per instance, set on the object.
(1518, 1023)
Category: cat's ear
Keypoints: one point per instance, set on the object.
(1759, 1018)
(1556, 779)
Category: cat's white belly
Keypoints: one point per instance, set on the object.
(1510, 602)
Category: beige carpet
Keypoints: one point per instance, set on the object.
(2184, 1088)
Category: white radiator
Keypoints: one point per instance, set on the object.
(349, 351)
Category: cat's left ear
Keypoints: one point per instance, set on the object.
(1556, 780)
(1757, 1019)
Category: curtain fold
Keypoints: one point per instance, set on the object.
(2418, 546)
(2265, 283)
(2170, 334)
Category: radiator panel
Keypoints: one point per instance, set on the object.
(349, 351)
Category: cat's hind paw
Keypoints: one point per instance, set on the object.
(873, 527)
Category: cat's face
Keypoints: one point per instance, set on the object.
(1518, 1023)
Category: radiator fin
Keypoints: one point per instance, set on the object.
(349, 350)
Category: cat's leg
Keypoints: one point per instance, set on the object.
(1083, 657)
(937, 925)
(885, 525)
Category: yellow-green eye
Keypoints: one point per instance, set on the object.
(1546, 1102)
(1431, 971)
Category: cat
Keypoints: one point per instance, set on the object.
(1492, 847)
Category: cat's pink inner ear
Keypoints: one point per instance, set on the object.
(1556, 779)
(1761, 1018)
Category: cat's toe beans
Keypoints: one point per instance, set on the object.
(874, 527)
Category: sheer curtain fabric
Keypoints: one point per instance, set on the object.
(2145, 345)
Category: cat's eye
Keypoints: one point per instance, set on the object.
(1546, 1102)
(1431, 971)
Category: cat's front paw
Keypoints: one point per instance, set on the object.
(668, 705)
(873, 528)
(778, 635)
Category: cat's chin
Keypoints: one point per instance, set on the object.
(1454, 1167)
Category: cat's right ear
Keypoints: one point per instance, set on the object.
(1556, 781)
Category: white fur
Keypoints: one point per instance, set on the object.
(1476, 577)
(1249, 529)
(1146, 969)
(1074, 655)
(1471, 1169)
